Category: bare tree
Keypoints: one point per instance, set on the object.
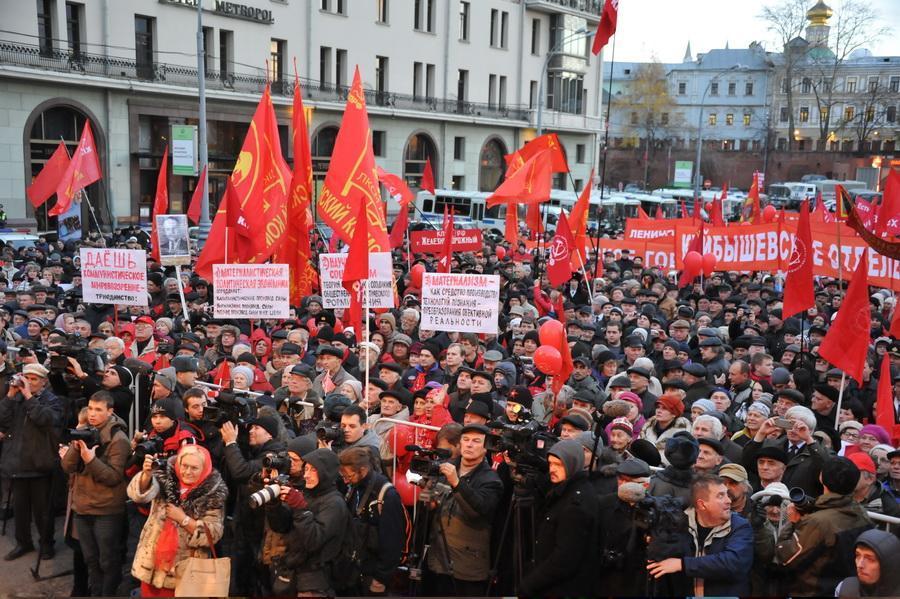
(786, 21)
(873, 115)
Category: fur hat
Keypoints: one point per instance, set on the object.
(682, 450)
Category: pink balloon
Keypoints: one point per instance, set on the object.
(693, 262)
(500, 251)
(709, 264)
(552, 333)
(548, 360)
(415, 274)
(769, 213)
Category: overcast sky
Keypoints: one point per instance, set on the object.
(662, 28)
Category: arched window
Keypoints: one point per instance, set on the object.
(419, 149)
(491, 165)
(48, 128)
(322, 146)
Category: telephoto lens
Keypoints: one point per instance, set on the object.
(265, 495)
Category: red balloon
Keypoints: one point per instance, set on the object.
(708, 207)
(548, 360)
(552, 333)
(415, 274)
(693, 261)
(709, 264)
(500, 251)
(408, 491)
(769, 213)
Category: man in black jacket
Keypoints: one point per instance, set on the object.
(379, 515)
(248, 523)
(565, 541)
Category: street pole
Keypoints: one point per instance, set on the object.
(201, 129)
(550, 54)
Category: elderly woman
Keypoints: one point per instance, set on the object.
(352, 390)
(187, 499)
(242, 377)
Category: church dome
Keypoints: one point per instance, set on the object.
(819, 14)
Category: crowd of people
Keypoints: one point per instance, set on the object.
(700, 445)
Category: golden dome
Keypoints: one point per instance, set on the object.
(819, 14)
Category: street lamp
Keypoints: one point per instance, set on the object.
(737, 67)
(556, 49)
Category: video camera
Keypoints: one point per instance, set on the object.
(231, 406)
(663, 519)
(76, 346)
(803, 503)
(279, 461)
(329, 431)
(90, 435)
(526, 445)
(427, 462)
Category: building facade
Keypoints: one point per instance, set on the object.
(451, 80)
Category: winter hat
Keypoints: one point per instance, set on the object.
(877, 432)
(646, 451)
(588, 439)
(672, 403)
(169, 407)
(632, 397)
(125, 376)
(704, 404)
(682, 450)
(333, 406)
(302, 445)
(840, 475)
(267, 423)
(863, 462)
(623, 424)
(781, 376)
(165, 380)
(246, 372)
(761, 408)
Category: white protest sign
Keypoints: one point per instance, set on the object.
(381, 281)
(251, 291)
(461, 303)
(111, 276)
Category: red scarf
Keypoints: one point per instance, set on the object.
(167, 543)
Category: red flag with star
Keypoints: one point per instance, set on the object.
(84, 169)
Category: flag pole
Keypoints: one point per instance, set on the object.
(184, 309)
(612, 63)
(365, 325)
(837, 413)
(837, 226)
(83, 192)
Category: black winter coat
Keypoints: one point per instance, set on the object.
(565, 542)
(31, 434)
(241, 473)
(802, 470)
(622, 568)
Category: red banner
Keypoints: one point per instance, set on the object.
(649, 229)
(431, 242)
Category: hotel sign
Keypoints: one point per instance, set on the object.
(228, 9)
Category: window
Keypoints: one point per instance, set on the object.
(559, 181)
(429, 81)
(535, 36)
(873, 83)
(783, 114)
(712, 118)
(748, 88)
(851, 85)
(381, 11)
(746, 119)
(492, 89)
(565, 92)
(756, 145)
(338, 7)
(823, 115)
(579, 185)
(340, 68)
(226, 53)
(580, 153)
(806, 85)
(732, 88)
(826, 85)
(208, 50)
(728, 145)
(801, 145)
(504, 29)
(664, 118)
(782, 144)
(634, 118)
(459, 148)
(276, 60)
(381, 75)
(895, 84)
(714, 88)
(870, 114)
(495, 15)
(458, 182)
(464, 8)
(682, 88)
(325, 66)
(849, 113)
(729, 119)
(785, 85)
(378, 145)
(804, 114)
(143, 46)
(501, 92)
(423, 15)
(74, 22)
(462, 85)
(45, 26)
(890, 115)
(532, 94)
(417, 79)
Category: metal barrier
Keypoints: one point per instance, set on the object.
(888, 520)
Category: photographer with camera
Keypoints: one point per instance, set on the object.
(115, 380)
(30, 419)
(722, 543)
(460, 545)
(96, 461)
(208, 434)
(187, 515)
(297, 387)
(565, 541)
(380, 520)
(816, 549)
(244, 473)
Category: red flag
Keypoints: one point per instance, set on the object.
(396, 187)
(884, 404)
(352, 179)
(844, 203)
(261, 181)
(659, 212)
(578, 218)
(295, 249)
(607, 27)
(511, 230)
(221, 244)
(559, 269)
(83, 169)
(195, 208)
(356, 270)
(641, 214)
(895, 323)
(799, 294)
(533, 220)
(547, 142)
(427, 178)
(751, 210)
(161, 201)
(528, 185)
(715, 213)
(398, 230)
(890, 203)
(567, 366)
(724, 195)
(223, 376)
(684, 213)
(45, 183)
(447, 250)
(847, 342)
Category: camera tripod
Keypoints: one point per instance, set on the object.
(422, 528)
(519, 517)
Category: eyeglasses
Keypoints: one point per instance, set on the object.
(850, 434)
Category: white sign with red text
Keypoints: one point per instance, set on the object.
(461, 303)
(251, 291)
(111, 276)
(381, 281)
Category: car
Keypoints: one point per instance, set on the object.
(18, 240)
(812, 178)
